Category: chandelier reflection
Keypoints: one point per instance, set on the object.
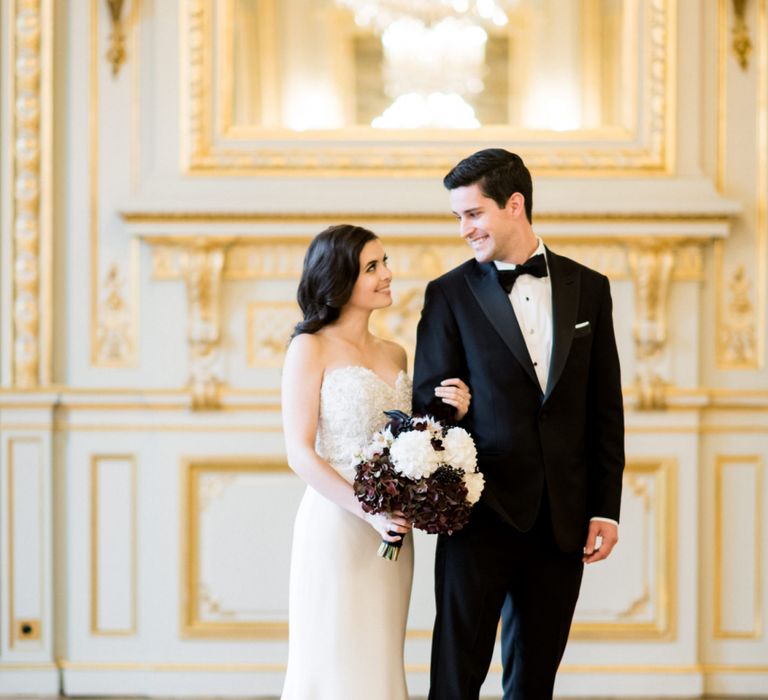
(434, 57)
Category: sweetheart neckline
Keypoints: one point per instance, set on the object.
(391, 387)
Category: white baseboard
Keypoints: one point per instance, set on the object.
(17, 680)
(750, 684)
(234, 682)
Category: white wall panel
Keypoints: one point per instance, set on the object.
(739, 548)
(113, 545)
(26, 541)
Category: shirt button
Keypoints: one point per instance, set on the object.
(531, 332)
(535, 364)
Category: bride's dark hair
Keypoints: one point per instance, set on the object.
(331, 268)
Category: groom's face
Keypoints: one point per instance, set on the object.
(488, 229)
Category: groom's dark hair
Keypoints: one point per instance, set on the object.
(499, 174)
(331, 268)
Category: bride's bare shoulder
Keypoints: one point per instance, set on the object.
(306, 350)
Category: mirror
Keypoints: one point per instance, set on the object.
(316, 65)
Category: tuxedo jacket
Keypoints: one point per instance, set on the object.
(568, 439)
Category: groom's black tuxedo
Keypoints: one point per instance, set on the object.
(556, 454)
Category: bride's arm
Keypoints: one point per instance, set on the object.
(302, 377)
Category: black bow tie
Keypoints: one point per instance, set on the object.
(536, 266)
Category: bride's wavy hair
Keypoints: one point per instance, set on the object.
(331, 268)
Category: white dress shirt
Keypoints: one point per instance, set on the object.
(531, 299)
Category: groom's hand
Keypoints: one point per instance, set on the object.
(596, 550)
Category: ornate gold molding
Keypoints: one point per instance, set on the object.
(422, 258)
(651, 267)
(737, 341)
(31, 107)
(734, 338)
(197, 598)
(741, 44)
(655, 482)
(362, 151)
(201, 267)
(116, 54)
(115, 344)
(268, 329)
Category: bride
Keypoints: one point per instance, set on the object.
(347, 606)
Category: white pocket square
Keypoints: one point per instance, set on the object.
(584, 324)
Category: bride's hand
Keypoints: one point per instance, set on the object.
(386, 523)
(456, 393)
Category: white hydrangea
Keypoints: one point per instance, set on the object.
(380, 440)
(460, 451)
(413, 455)
(475, 483)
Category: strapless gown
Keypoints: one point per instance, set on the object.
(348, 607)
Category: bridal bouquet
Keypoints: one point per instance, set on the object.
(418, 466)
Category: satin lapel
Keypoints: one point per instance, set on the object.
(565, 305)
(497, 307)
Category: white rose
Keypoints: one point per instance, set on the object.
(413, 455)
(460, 451)
(475, 483)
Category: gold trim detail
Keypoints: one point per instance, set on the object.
(193, 594)
(664, 625)
(95, 629)
(651, 267)
(741, 342)
(30, 129)
(106, 349)
(116, 53)
(737, 346)
(721, 462)
(268, 328)
(324, 218)
(350, 151)
(115, 341)
(280, 257)
(202, 267)
(741, 44)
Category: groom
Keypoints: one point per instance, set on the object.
(531, 332)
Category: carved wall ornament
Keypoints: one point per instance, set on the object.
(202, 269)
(116, 53)
(651, 268)
(741, 44)
(269, 327)
(115, 344)
(421, 259)
(211, 485)
(30, 150)
(738, 335)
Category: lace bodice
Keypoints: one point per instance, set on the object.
(352, 404)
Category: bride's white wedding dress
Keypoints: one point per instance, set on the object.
(347, 606)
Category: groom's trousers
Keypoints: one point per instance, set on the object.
(482, 568)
